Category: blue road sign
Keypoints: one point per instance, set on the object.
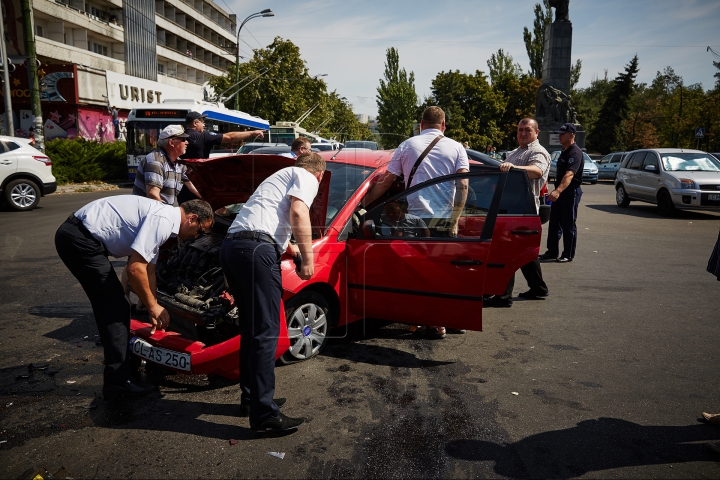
(699, 132)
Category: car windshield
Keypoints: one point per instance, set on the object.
(689, 162)
(344, 181)
(323, 147)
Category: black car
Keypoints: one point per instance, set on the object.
(482, 158)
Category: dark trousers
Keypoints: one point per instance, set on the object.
(563, 214)
(87, 260)
(533, 276)
(252, 269)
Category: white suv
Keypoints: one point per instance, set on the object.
(25, 173)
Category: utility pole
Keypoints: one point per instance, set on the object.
(9, 127)
(29, 28)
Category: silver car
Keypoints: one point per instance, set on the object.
(671, 178)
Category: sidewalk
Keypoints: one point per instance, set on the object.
(71, 188)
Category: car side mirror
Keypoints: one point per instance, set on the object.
(368, 229)
(544, 214)
(650, 168)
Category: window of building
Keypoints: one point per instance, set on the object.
(161, 68)
(38, 30)
(100, 49)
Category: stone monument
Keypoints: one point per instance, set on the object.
(553, 106)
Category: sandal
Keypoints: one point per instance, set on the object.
(431, 333)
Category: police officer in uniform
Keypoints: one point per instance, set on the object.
(565, 198)
(123, 225)
(250, 258)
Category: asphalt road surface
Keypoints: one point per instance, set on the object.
(605, 378)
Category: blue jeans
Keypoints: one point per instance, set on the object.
(563, 214)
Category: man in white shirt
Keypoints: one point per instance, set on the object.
(120, 226)
(440, 205)
(250, 258)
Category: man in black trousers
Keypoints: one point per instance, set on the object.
(124, 225)
(250, 258)
(535, 160)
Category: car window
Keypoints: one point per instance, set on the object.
(636, 160)
(8, 146)
(688, 162)
(344, 181)
(650, 159)
(617, 158)
(605, 159)
(517, 197)
(427, 210)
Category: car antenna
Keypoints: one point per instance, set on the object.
(339, 150)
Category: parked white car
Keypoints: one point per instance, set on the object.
(25, 173)
(671, 178)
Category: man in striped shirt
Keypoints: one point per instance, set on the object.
(159, 176)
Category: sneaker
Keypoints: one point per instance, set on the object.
(563, 260)
(547, 256)
(498, 302)
(245, 407)
(532, 295)
(712, 417)
(277, 424)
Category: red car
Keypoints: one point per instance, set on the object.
(378, 264)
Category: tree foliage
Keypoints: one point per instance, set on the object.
(535, 41)
(575, 74)
(276, 85)
(79, 160)
(609, 132)
(396, 101)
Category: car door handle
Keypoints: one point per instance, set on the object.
(6, 162)
(524, 232)
(466, 262)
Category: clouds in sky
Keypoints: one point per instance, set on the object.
(347, 39)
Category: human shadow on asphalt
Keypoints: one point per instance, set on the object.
(646, 210)
(591, 446)
(83, 321)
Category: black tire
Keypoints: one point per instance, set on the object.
(308, 322)
(665, 205)
(621, 197)
(593, 183)
(22, 194)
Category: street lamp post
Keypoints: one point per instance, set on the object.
(265, 13)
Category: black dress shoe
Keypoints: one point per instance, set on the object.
(498, 302)
(277, 424)
(547, 256)
(127, 389)
(245, 407)
(532, 295)
(563, 260)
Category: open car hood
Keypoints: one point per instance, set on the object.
(232, 179)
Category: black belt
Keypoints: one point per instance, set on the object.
(73, 220)
(250, 235)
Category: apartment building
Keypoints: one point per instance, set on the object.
(104, 53)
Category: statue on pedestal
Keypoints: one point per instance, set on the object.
(553, 106)
(562, 10)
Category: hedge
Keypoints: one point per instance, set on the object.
(80, 160)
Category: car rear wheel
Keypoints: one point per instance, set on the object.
(308, 320)
(22, 194)
(621, 197)
(665, 205)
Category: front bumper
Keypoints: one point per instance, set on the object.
(590, 177)
(696, 199)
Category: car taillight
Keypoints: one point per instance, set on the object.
(45, 160)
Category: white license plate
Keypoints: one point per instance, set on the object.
(161, 356)
(714, 196)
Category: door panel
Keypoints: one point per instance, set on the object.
(8, 161)
(647, 182)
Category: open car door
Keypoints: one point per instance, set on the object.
(405, 265)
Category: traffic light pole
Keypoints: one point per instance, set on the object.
(9, 127)
(29, 27)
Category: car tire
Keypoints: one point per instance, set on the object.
(665, 205)
(621, 197)
(22, 194)
(593, 183)
(308, 322)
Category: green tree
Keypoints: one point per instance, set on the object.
(535, 42)
(588, 101)
(575, 74)
(501, 67)
(396, 101)
(608, 133)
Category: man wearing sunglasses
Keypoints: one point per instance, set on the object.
(299, 146)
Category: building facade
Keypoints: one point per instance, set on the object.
(114, 53)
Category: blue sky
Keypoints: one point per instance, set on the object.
(347, 39)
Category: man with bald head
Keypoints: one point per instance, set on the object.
(535, 160)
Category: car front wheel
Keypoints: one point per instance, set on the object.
(621, 197)
(308, 319)
(665, 204)
(22, 194)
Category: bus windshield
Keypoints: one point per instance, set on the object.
(142, 137)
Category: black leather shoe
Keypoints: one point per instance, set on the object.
(532, 295)
(563, 260)
(547, 256)
(245, 407)
(497, 302)
(277, 424)
(127, 389)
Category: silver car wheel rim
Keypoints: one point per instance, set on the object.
(620, 195)
(23, 195)
(307, 329)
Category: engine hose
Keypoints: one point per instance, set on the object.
(193, 302)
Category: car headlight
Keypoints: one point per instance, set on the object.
(686, 183)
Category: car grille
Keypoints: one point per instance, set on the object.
(710, 187)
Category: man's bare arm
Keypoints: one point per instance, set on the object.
(378, 188)
(234, 137)
(139, 272)
(567, 178)
(189, 185)
(533, 171)
(153, 193)
(461, 193)
(302, 231)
